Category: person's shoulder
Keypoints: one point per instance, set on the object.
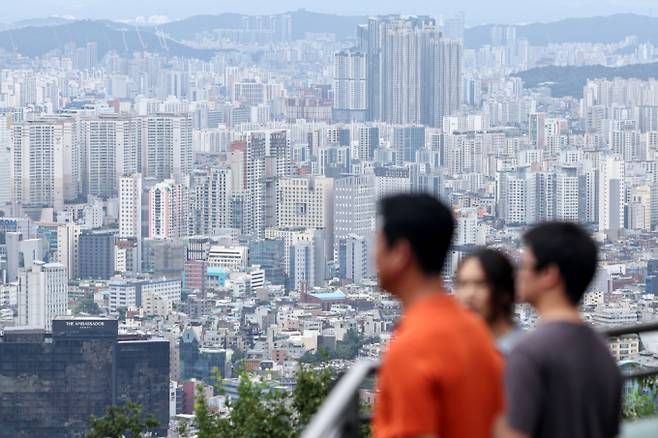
(557, 336)
(532, 342)
(506, 343)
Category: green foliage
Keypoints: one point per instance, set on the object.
(642, 401)
(87, 305)
(183, 429)
(122, 313)
(121, 421)
(311, 390)
(261, 411)
(237, 357)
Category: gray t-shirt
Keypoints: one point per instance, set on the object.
(561, 381)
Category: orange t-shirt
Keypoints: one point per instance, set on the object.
(441, 375)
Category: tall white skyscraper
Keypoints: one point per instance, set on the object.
(42, 294)
(130, 222)
(611, 194)
(130, 206)
(167, 206)
(253, 216)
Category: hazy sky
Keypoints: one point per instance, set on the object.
(477, 11)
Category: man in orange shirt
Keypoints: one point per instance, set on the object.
(441, 376)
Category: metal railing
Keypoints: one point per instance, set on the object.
(634, 329)
(339, 416)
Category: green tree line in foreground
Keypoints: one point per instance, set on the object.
(264, 412)
(260, 411)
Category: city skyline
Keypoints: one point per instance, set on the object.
(477, 11)
(214, 195)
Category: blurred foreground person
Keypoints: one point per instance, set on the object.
(484, 283)
(561, 380)
(441, 375)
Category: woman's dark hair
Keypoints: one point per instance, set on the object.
(499, 274)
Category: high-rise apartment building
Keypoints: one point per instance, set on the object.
(350, 103)
(368, 137)
(112, 145)
(567, 198)
(168, 146)
(254, 221)
(267, 158)
(130, 223)
(612, 192)
(130, 206)
(167, 207)
(413, 73)
(211, 200)
(46, 162)
(514, 199)
(540, 192)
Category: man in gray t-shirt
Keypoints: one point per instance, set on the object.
(560, 380)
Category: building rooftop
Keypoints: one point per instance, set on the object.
(332, 295)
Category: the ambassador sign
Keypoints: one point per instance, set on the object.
(85, 324)
(85, 328)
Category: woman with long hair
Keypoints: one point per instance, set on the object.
(484, 283)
